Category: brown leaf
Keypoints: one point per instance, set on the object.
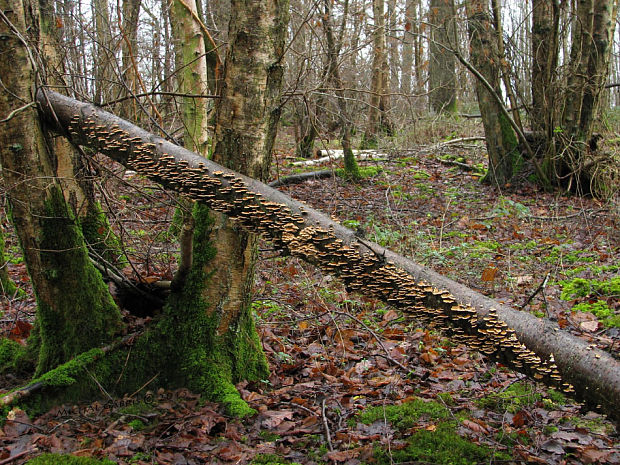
(553, 446)
(343, 455)
(589, 326)
(390, 315)
(475, 427)
(273, 418)
(488, 275)
(519, 419)
(593, 455)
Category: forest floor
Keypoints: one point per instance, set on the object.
(351, 380)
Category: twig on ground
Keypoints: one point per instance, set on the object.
(18, 456)
(540, 288)
(388, 357)
(328, 436)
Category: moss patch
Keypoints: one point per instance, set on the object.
(514, 398)
(62, 459)
(597, 297)
(13, 357)
(405, 415)
(99, 235)
(438, 444)
(442, 446)
(75, 311)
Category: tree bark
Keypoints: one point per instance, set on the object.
(73, 171)
(103, 46)
(333, 76)
(545, 47)
(502, 146)
(192, 74)
(407, 54)
(245, 129)
(377, 111)
(129, 46)
(519, 340)
(75, 311)
(442, 66)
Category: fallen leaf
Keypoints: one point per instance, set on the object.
(589, 326)
(475, 427)
(273, 418)
(553, 446)
(343, 455)
(489, 274)
(593, 455)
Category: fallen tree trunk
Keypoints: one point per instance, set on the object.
(301, 177)
(519, 340)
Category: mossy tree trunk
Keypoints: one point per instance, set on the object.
(75, 310)
(218, 286)
(7, 286)
(72, 170)
(192, 74)
(501, 141)
(442, 65)
(588, 69)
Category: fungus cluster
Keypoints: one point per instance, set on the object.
(355, 263)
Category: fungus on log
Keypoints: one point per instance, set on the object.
(519, 340)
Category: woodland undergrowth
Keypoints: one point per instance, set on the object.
(351, 380)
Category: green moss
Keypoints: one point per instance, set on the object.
(100, 237)
(269, 436)
(512, 399)
(270, 459)
(204, 360)
(13, 357)
(137, 425)
(66, 374)
(592, 290)
(139, 408)
(596, 425)
(76, 311)
(442, 446)
(364, 172)
(351, 168)
(405, 415)
(579, 287)
(141, 457)
(62, 459)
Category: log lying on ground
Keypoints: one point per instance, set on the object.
(519, 340)
(335, 154)
(301, 177)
